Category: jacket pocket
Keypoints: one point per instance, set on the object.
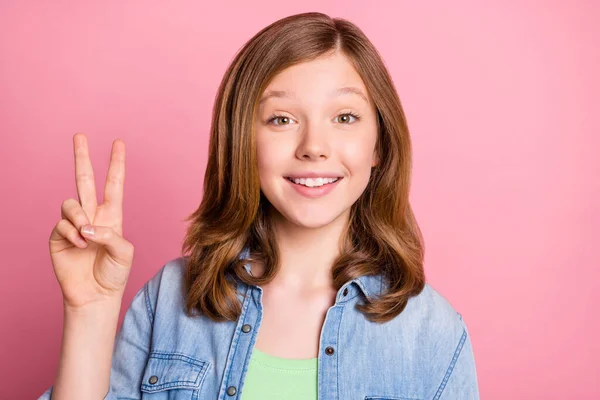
(172, 371)
(390, 398)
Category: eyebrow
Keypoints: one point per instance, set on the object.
(338, 92)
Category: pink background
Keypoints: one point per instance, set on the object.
(502, 101)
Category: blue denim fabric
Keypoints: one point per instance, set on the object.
(160, 353)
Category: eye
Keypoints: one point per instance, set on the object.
(276, 117)
(286, 120)
(349, 115)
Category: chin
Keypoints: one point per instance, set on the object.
(311, 221)
(312, 224)
(301, 214)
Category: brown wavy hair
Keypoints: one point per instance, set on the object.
(382, 236)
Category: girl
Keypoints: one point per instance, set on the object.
(301, 275)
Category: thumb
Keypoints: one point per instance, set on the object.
(116, 245)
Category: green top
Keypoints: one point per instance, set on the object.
(274, 378)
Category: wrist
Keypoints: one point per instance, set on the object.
(97, 308)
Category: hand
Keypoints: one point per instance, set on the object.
(92, 268)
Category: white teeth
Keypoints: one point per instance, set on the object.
(310, 182)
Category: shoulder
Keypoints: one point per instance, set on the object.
(173, 270)
(169, 273)
(434, 335)
(166, 282)
(434, 309)
(451, 362)
(435, 321)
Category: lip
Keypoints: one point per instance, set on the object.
(313, 174)
(314, 192)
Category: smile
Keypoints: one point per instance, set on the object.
(313, 182)
(320, 189)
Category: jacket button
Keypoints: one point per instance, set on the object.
(231, 391)
(345, 291)
(329, 350)
(153, 379)
(246, 328)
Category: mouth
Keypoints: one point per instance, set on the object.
(314, 183)
(314, 192)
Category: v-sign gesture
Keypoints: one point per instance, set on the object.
(95, 269)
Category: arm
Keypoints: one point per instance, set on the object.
(86, 349)
(86, 362)
(460, 381)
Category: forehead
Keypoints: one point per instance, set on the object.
(323, 78)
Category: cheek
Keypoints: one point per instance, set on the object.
(358, 156)
(272, 157)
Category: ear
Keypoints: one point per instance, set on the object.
(375, 159)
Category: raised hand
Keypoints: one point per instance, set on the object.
(92, 268)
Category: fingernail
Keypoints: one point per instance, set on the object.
(87, 230)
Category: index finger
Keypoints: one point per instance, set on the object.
(84, 176)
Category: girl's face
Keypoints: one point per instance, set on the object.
(315, 120)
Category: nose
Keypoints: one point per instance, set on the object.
(314, 144)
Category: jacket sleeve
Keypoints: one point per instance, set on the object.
(132, 345)
(460, 382)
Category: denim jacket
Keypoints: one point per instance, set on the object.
(160, 353)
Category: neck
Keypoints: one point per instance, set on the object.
(307, 254)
